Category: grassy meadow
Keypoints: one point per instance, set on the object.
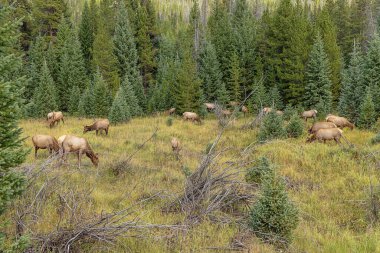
(330, 184)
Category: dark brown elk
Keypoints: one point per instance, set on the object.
(48, 142)
(192, 116)
(309, 114)
(321, 125)
(98, 126)
(80, 146)
(326, 135)
(340, 122)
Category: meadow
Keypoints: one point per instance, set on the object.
(329, 183)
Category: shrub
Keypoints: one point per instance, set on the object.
(376, 139)
(295, 127)
(169, 121)
(272, 127)
(273, 217)
(256, 173)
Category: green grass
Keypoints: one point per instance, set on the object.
(328, 183)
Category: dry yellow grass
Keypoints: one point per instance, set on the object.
(328, 183)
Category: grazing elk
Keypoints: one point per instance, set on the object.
(191, 116)
(210, 106)
(176, 146)
(267, 110)
(226, 113)
(50, 116)
(80, 146)
(309, 114)
(171, 111)
(340, 122)
(57, 117)
(98, 125)
(326, 134)
(321, 125)
(41, 141)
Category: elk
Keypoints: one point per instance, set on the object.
(98, 126)
(80, 146)
(244, 109)
(210, 106)
(41, 141)
(309, 114)
(191, 116)
(321, 125)
(340, 122)
(57, 117)
(171, 111)
(326, 134)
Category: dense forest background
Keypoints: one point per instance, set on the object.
(127, 58)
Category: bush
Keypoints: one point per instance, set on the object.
(295, 127)
(169, 121)
(376, 139)
(272, 128)
(255, 174)
(273, 217)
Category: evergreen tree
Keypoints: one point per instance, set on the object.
(126, 54)
(119, 111)
(234, 79)
(272, 128)
(74, 100)
(87, 105)
(295, 126)
(45, 95)
(275, 99)
(94, 15)
(103, 57)
(37, 54)
(259, 98)
(87, 36)
(353, 87)
(209, 72)
(273, 217)
(130, 98)
(102, 96)
(11, 85)
(318, 84)
(367, 111)
(47, 16)
(329, 37)
(372, 71)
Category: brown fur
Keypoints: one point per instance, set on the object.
(340, 122)
(80, 146)
(309, 114)
(98, 125)
(191, 116)
(233, 103)
(50, 116)
(244, 109)
(267, 110)
(171, 111)
(326, 134)
(321, 125)
(45, 142)
(176, 145)
(226, 113)
(57, 117)
(210, 106)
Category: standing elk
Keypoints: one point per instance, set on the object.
(57, 117)
(326, 134)
(210, 106)
(309, 114)
(191, 116)
(340, 122)
(80, 146)
(41, 141)
(98, 126)
(321, 125)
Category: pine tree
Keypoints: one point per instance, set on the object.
(318, 84)
(102, 96)
(329, 37)
(119, 111)
(45, 95)
(87, 105)
(209, 72)
(103, 57)
(367, 111)
(47, 16)
(75, 94)
(11, 85)
(234, 79)
(353, 87)
(259, 98)
(372, 71)
(87, 36)
(273, 217)
(295, 126)
(126, 54)
(275, 99)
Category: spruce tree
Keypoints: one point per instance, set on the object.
(273, 217)
(272, 128)
(102, 96)
(119, 111)
(37, 54)
(353, 87)
(259, 98)
(12, 152)
(234, 81)
(45, 95)
(75, 94)
(87, 36)
(367, 115)
(87, 105)
(318, 85)
(372, 71)
(275, 99)
(126, 54)
(211, 76)
(130, 98)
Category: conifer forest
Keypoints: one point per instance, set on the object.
(189, 126)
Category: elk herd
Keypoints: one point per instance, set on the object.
(330, 129)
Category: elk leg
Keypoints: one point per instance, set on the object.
(79, 157)
(63, 121)
(96, 132)
(107, 131)
(35, 152)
